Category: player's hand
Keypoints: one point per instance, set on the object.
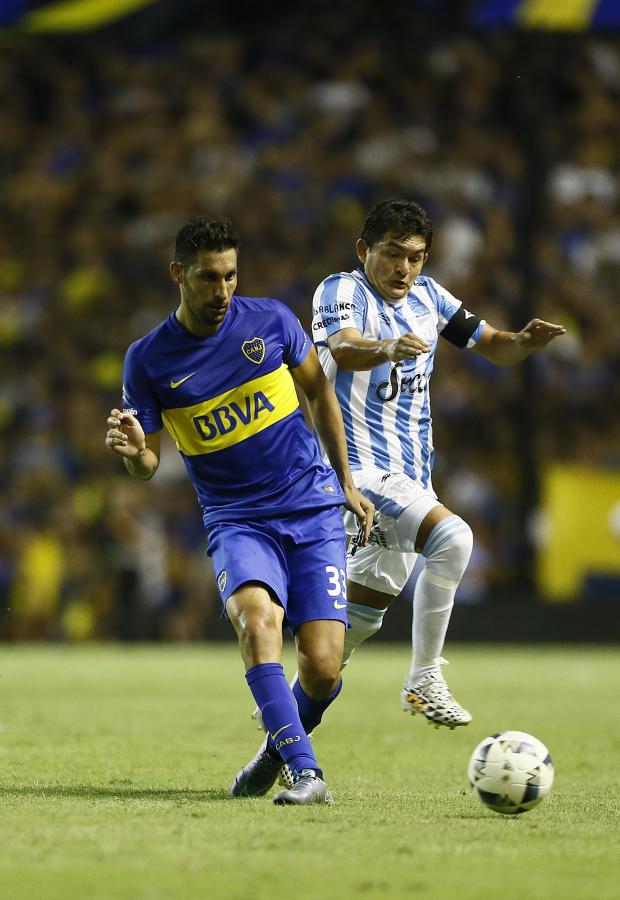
(538, 334)
(364, 510)
(125, 435)
(407, 346)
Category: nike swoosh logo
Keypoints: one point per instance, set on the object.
(339, 605)
(276, 733)
(175, 384)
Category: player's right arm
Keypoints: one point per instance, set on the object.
(353, 352)
(125, 437)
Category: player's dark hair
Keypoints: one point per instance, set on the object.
(401, 219)
(204, 234)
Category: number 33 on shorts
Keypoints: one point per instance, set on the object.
(337, 579)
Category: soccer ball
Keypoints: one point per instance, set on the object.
(511, 772)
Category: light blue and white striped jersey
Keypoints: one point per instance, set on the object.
(386, 410)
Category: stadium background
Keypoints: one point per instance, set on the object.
(118, 120)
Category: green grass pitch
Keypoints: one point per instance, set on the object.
(115, 764)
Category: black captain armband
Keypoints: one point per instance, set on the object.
(460, 327)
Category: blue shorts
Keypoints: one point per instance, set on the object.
(300, 557)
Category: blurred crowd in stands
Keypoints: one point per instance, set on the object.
(293, 131)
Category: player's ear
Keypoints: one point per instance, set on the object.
(361, 248)
(175, 271)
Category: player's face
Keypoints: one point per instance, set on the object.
(393, 264)
(207, 286)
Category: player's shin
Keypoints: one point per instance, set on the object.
(310, 710)
(425, 691)
(446, 551)
(364, 621)
(280, 714)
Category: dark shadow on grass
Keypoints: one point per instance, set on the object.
(481, 816)
(112, 792)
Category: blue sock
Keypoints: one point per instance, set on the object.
(280, 714)
(311, 711)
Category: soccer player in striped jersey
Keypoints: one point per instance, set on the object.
(220, 375)
(376, 331)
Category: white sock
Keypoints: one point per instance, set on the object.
(447, 553)
(364, 621)
(432, 608)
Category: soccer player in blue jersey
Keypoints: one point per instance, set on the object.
(220, 373)
(376, 331)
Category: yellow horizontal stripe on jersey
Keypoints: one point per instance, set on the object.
(233, 416)
(560, 15)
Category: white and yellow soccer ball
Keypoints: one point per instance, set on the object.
(511, 772)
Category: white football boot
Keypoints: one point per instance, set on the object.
(259, 775)
(430, 697)
(308, 787)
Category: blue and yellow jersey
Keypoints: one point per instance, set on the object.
(230, 404)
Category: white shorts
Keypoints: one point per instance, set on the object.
(384, 564)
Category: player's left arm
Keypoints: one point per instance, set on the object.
(505, 348)
(327, 418)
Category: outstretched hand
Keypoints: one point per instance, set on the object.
(538, 334)
(125, 435)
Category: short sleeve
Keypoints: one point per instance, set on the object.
(296, 343)
(138, 395)
(339, 302)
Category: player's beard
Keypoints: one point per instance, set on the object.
(208, 315)
(214, 316)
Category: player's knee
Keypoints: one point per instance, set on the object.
(449, 547)
(461, 545)
(256, 629)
